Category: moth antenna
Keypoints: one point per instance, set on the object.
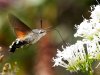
(60, 36)
(41, 23)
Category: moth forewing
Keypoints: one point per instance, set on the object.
(19, 27)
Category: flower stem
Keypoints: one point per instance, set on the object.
(90, 72)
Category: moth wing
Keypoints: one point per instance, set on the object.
(19, 27)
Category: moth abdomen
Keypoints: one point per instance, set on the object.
(17, 44)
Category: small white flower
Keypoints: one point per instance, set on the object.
(95, 14)
(92, 49)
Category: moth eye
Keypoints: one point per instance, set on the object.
(40, 32)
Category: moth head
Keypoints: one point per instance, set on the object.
(40, 32)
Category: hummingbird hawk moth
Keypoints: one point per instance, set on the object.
(24, 34)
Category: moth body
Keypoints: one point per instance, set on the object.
(30, 38)
(24, 34)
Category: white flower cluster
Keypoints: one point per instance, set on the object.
(71, 56)
(90, 28)
(79, 55)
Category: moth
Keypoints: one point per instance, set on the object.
(24, 34)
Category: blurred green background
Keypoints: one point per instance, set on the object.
(36, 59)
